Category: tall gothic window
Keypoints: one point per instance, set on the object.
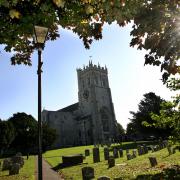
(104, 118)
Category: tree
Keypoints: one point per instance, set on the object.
(49, 137)
(26, 132)
(7, 134)
(150, 104)
(156, 25)
(26, 136)
(169, 116)
(120, 129)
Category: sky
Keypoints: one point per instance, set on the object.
(129, 79)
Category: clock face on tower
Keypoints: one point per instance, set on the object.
(86, 94)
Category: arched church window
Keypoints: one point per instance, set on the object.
(104, 119)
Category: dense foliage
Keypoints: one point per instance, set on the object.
(169, 116)
(156, 25)
(7, 135)
(149, 104)
(20, 133)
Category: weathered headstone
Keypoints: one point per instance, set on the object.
(18, 159)
(145, 149)
(106, 153)
(96, 156)
(87, 152)
(87, 173)
(103, 178)
(6, 164)
(140, 150)
(129, 157)
(134, 153)
(153, 161)
(111, 161)
(170, 150)
(115, 153)
(120, 153)
(14, 169)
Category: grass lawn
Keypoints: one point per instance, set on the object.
(26, 172)
(124, 169)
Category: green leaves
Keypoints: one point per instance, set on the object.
(155, 29)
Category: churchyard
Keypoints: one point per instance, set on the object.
(138, 167)
(117, 166)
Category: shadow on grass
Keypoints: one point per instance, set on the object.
(61, 166)
(172, 173)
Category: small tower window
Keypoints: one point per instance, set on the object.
(103, 82)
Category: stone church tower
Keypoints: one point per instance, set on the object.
(95, 101)
(92, 119)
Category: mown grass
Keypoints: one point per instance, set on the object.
(124, 169)
(26, 172)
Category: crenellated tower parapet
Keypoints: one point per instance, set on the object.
(93, 67)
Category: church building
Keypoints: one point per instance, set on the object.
(90, 121)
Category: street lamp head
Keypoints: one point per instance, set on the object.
(40, 34)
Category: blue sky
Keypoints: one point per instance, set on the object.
(129, 79)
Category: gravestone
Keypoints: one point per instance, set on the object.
(153, 161)
(145, 149)
(140, 150)
(120, 153)
(129, 157)
(170, 150)
(70, 160)
(106, 153)
(111, 161)
(18, 159)
(87, 173)
(96, 156)
(103, 178)
(134, 153)
(115, 153)
(87, 152)
(14, 169)
(6, 164)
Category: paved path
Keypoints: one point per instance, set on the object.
(48, 173)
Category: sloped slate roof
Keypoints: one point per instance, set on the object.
(70, 108)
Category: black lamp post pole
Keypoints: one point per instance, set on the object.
(39, 116)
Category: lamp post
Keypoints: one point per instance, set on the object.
(40, 37)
